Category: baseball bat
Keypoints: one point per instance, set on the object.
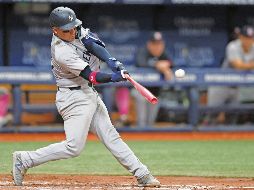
(142, 90)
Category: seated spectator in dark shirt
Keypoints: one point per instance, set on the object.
(153, 55)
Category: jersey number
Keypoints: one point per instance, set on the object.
(86, 56)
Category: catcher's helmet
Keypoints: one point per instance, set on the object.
(64, 18)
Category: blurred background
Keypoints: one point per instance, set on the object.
(195, 33)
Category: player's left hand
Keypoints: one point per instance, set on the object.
(119, 76)
(115, 65)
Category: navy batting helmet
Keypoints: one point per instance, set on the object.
(64, 18)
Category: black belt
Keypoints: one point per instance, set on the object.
(77, 87)
(71, 88)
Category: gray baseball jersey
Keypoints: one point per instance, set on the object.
(82, 110)
(69, 59)
(218, 95)
(234, 51)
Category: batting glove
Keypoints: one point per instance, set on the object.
(115, 65)
(119, 76)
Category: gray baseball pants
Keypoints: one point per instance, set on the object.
(83, 110)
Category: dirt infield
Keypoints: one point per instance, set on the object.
(62, 182)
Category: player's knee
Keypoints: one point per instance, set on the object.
(74, 149)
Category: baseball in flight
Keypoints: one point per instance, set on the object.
(179, 73)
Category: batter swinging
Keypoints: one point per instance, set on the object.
(76, 57)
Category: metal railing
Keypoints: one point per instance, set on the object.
(192, 82)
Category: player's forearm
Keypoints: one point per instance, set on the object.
(251, 65)
(248, 67)
(243, 66)
(168, 75)
(99, 77)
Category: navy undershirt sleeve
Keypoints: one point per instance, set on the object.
(100, 77)
(97, 50)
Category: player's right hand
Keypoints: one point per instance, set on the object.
(119, 76)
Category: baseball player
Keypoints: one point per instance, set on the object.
(76, 57)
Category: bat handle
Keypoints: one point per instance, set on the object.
(127, 76)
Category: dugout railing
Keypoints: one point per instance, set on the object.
(192, 82)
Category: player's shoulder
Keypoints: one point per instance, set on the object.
(85, 32)
(61, 49)
(88, 36)
(57, 42)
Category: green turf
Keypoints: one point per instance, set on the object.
(188, 158)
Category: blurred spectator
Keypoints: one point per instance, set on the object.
(153, 55)
(4, 103)
(239, 56)
(235, 34)
(122, 97)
